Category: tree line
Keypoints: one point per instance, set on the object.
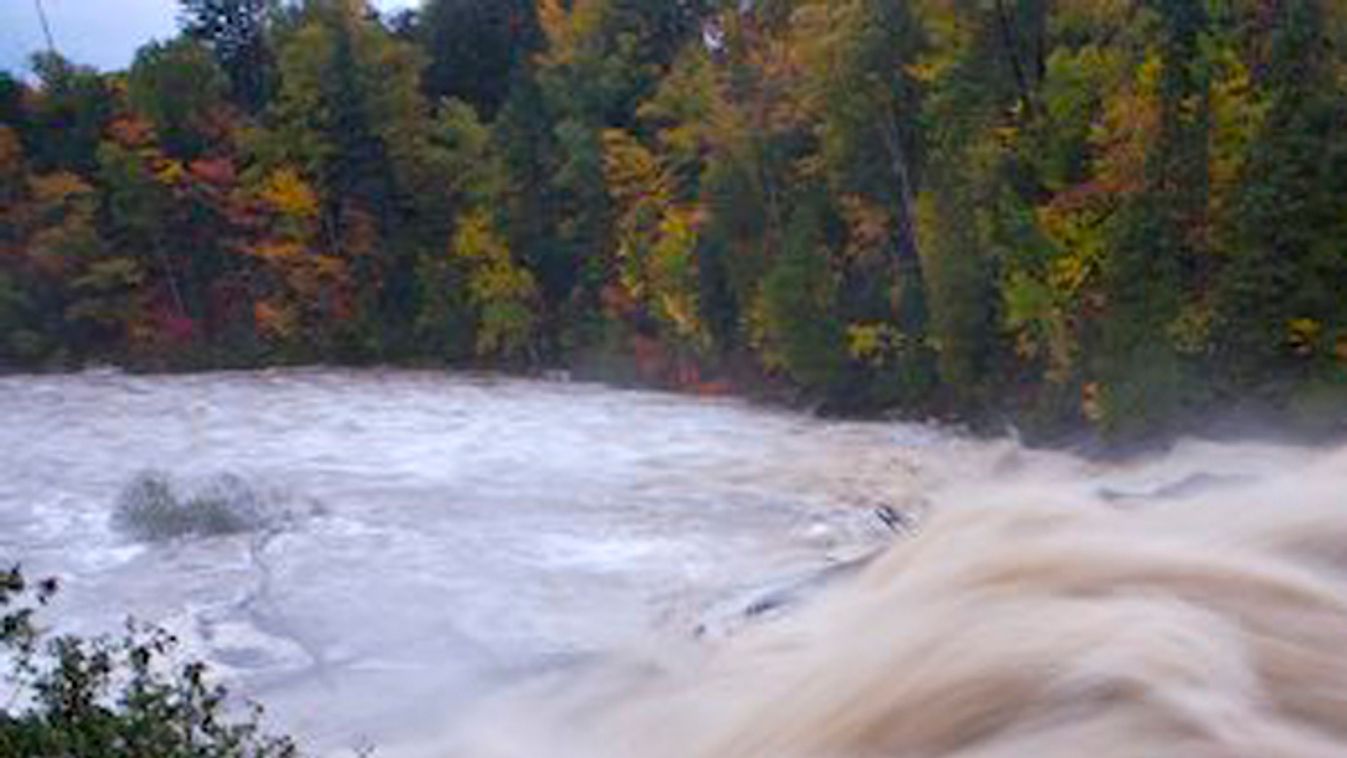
(1118, 214)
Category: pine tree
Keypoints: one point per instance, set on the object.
(236, 31)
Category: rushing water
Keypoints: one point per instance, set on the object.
(452, 538)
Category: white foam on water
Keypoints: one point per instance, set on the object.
(500, 567)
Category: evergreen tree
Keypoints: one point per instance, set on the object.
(475, 47)
(236, 30)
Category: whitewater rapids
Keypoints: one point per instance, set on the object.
(469, 566)
(1022, 621)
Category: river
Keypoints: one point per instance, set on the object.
(446, 538)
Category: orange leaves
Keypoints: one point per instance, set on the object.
(274, 320)
(58, 188)
(309, 290)
(60, 220)
(304, 271)
(555, 22)
(304, 287)
(276, 252)
(131, 132)
(11, 152)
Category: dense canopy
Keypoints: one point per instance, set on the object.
(1118, 214)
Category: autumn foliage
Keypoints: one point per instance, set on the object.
(1114, 214)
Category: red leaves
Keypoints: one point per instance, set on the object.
(217, 172)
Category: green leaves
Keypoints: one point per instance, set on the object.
(127, 697)
(178, 87)
(798, 328)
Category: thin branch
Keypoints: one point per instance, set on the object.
(46, 26)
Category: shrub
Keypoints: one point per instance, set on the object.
(150, 508)
(113, 698)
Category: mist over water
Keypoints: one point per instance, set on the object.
(501, 567)
(1204, 625)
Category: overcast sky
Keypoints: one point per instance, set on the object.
(101, 33)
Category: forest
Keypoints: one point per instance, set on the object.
(1115, 215)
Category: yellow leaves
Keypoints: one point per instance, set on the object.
(656, 237)
(1071, 272)
(309, 287)
(566, 26)
(476, 240)
(1128, 129)
(1238, 111)
(171, 173)
(1302, 335)
(873, 343)
(1074, 222)
(633, 173)
(495, 275)
(1149, 74)
(286, 192)
(864, 341)
(672, 272)
(1190, 332)
(502, 291)
(1311, 338)
(501, 280)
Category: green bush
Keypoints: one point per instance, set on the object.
(112, 698)
(151, 508)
